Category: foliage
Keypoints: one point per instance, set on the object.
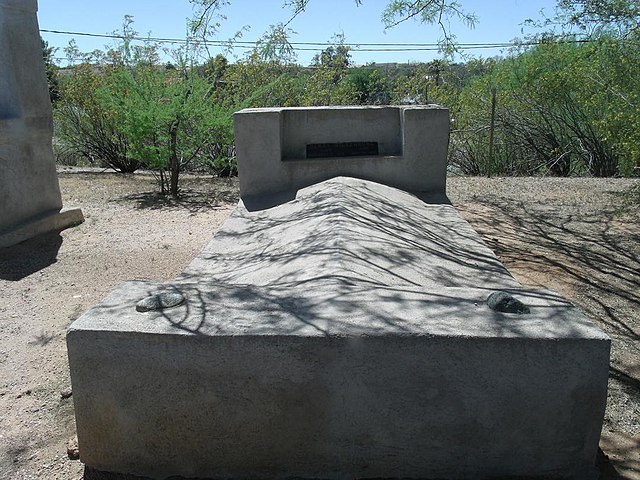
(437, 12)
(208, 17)
(327, 84)
(335, 57)
(274, 45)
(85, 127)
(254, 83)
(166, 117)
(557, 112)
(369, 87)
(594, 16)
(51, 69)
(568, 105)
(127, 111)
(611, 96)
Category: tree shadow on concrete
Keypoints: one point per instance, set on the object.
(305, 267)
(593, 258)
(31, 256)
(340, 244)
(601, 261)
(345, 230)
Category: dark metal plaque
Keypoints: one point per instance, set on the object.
(342, 149)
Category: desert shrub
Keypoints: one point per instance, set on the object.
(550, 118)
(125, 109)
(85, 127)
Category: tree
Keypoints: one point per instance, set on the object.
(167, 116)
(51, 68)
(593, 16)
(430, 12)
(208, 16)
(274, 46)
(84, 123)
(215, 68)
(562, 108)
(326, 85)
(370, 87)
(127, 104)
(335, 57)
(586, 15)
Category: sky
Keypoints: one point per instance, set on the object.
(499, 21)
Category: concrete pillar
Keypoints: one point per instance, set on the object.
(30, 200)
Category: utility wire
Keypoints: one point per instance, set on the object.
(315, 46)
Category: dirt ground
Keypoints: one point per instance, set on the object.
(571, 235)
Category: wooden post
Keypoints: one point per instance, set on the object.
(492, 127)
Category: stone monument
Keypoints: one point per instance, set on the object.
(30, 200)
(344, 322)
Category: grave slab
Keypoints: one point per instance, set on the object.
(335, 330)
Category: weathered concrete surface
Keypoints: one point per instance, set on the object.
(50, 221)
(30, 200)
(270, 146)
(344, 332)
(355, 230)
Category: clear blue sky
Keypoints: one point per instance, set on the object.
(499, 21)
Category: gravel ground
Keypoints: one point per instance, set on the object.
(571, 235)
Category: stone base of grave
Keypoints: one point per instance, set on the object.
(436, 386)
(48, 222)
(343, 333)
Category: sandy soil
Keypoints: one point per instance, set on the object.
(567, 234)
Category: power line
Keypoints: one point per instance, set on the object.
(238, 42)
(316, 46)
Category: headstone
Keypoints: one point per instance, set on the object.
(283, 148)
(30, 199)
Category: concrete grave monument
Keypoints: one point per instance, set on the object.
(30, 200)
(338, 325)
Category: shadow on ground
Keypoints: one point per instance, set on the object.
(26, 258)
(592, 257)
(196, 195)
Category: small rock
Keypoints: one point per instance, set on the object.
(26, 392)
(66, 393)
(160, 301)
(73, 452)
(506, 303)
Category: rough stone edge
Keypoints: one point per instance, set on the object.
(49, 222)
(95, 320)
(93, 474)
